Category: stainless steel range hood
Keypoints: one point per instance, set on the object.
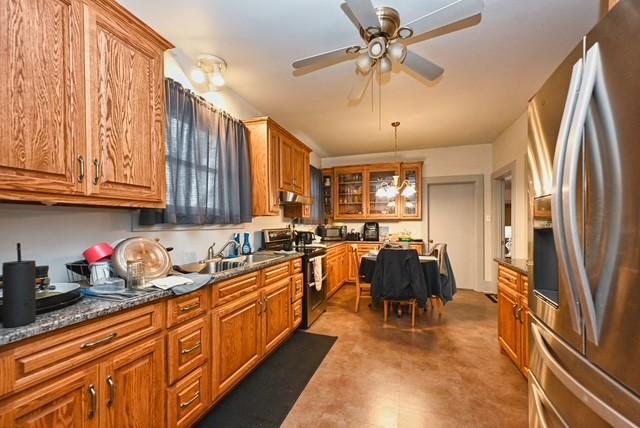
(291, 198)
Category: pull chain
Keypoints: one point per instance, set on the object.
(379, 97)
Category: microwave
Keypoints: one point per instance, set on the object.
(332, 233)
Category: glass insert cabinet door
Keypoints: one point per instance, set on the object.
(410, 206)
(382, 205)
(349, 193)
(327, 194)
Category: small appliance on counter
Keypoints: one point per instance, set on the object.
(303, 238)
(332, 232)
(353, 235)
(371, 232)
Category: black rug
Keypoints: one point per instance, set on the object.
(266, 396)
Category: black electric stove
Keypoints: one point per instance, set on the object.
(314, 299)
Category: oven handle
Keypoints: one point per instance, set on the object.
(313, 284)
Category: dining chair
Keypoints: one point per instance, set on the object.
(363, 289)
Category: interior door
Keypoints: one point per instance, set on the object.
(452, 221)
(42, 141)
(611, 241)
(126, 124)
(133, 384)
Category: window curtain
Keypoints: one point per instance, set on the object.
(208, 171)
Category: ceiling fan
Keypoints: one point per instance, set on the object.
(385, 40)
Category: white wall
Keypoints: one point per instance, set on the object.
(438, 162)
(56, 235)
(510, 146)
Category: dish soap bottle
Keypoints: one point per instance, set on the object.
(236, 249)
(246, 247)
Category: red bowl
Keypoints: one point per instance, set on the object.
(98, 252)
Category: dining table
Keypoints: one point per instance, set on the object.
(429, 266)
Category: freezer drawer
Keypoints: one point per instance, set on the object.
(567, 389)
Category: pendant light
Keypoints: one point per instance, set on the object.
(391, 190)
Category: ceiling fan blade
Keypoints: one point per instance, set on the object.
(422, 66)
(347, 11)
(456, 11)
(334, 55)
(360, 85)
(364, 12)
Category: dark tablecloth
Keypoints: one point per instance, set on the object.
(429, 268)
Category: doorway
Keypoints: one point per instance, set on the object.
(503, 212)
(454, 207)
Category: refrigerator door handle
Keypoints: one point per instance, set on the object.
(542, 401)
(593, 81)
(559, 178)
(592, 401)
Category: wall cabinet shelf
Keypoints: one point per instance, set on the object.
(279, 162)
(84, 102)
(353, 191)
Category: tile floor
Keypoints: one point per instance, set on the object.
(445, 373)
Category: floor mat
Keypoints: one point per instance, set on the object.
(266, 396)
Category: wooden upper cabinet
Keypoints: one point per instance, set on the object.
(81, 99)
(126, 112)
(41, 98)
(350, 193)
(381, 206)
(411, 206)
(279, 162)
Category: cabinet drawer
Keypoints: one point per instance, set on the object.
(232, 289)
(188, 399)
(297, 287)
(297, 265)
(52, 355)
(187, 347)
(297, 313)
(368, 247)
(508, 277)
(276, 273)
(187, 307)
(525, 285)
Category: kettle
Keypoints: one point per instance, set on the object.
(304, 238)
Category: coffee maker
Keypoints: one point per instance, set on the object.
(371, 231)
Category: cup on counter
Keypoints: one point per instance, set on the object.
(19, 293)
(135, 274)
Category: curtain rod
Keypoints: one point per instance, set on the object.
(203, 101)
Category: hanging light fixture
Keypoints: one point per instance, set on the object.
(391, 190)
(210, 69)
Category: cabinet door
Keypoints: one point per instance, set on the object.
(276, 312)
(133, 385)
(298, 168)
(126, 114)
(508, 325)
(286, 162)
(41, 98)
(349, 194)
(411, 205)
(379, 179)
(236, 341)
(327, 187)
(273, 174)
(523, 318)
(65, 403)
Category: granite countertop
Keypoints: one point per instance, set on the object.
(519, 265)
(90, 307)
(335, 243)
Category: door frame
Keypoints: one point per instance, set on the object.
(497, 208)
(478, 199)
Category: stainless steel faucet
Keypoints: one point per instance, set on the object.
(224, 247)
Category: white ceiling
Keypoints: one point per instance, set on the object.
(491, 69)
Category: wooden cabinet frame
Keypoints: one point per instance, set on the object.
(513, 317)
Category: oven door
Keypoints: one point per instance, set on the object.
(315, 292)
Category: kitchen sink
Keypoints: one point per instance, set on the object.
(217, 265)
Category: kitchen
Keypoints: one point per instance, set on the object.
(88, 158)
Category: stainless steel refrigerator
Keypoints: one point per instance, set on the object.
(584, 183)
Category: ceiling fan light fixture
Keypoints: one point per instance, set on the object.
(385, 64)
(397, 51)
(364, 63)
(198, 76)
(377, 47)
(405, 32)
(217, 79)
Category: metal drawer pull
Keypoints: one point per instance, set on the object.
(190, 350)
(94, 401)
(190, 307)
(107, 339)
(188, 403)
(82, 169)
(541, 401)
(96, 178)
(112, 391)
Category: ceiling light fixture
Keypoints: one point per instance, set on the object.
(210, 69)
(391, 190)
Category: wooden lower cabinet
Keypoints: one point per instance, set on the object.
(275, 314)
(236, 341)
(65, 402)
(188, 399)
(513, 317)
